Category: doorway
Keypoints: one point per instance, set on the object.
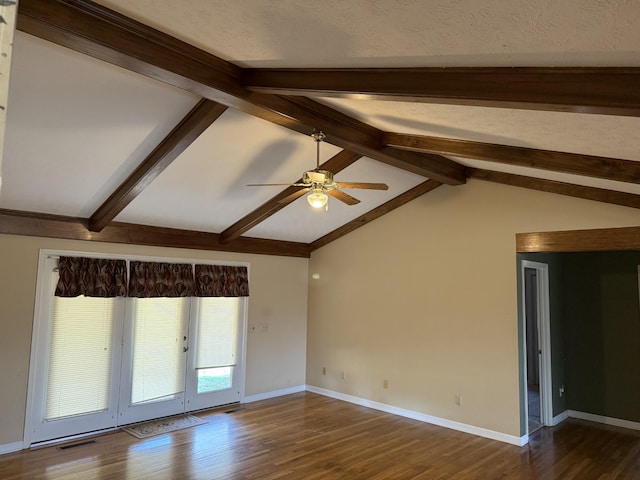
(536, 341)
(99, 363)
(533, 349)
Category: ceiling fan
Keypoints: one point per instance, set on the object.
(321, 184)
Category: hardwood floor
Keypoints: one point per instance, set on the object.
(308, 436)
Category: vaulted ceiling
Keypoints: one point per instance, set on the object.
(143, 121)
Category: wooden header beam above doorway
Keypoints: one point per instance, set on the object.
(625, 238)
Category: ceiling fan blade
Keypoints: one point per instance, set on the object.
(343, 197)
(294, 195)
(277, 185)
(268, 185)
(368, 186)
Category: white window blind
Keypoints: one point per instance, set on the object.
(80, 356)
(158, 369)
(217, 332)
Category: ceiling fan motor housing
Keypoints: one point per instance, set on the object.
(318, 178)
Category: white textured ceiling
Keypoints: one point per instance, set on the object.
(401, 33)
(77, 127)
(600, 135)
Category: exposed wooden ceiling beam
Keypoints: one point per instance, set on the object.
(602, 239)
(184, 134)
(104, 34)
(577, 164)
(607, 90)
(335, 164)
(72, 228)
(561, 188)
(383, 209)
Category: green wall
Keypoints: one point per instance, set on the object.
(602, 333)
(595, 332)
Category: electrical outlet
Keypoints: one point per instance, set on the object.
(385, 383)
(561, 390)
(458, 399)
(324, 370)
(343, 375)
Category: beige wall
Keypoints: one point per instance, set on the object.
(275, 358)
(426, 298)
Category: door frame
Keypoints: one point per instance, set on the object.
(39, 334)
(544, 339)
(39, 358)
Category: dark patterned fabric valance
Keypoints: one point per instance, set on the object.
(99, 277)
(221, 281)
(150, 279)
(91, 277)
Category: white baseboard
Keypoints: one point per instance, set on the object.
(442, 422)
(10, 447)
(616, 422)
(559, 418)
(273, 394)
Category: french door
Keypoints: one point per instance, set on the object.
(98, 363)
(215, 371)
(154, 358)
(172, 372)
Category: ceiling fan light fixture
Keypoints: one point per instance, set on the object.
(321, 184)
(317, 198)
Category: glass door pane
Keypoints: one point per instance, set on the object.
(214, 379)
(216, 371)
(80, 360)
(154, 359)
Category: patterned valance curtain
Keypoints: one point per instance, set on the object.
(99, 277)
(221, 281)
(151, 279)
(91, 277)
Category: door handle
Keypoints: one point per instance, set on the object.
(184, 349)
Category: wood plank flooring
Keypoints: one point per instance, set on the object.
(308, 436)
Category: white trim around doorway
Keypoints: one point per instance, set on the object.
(544, 332)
